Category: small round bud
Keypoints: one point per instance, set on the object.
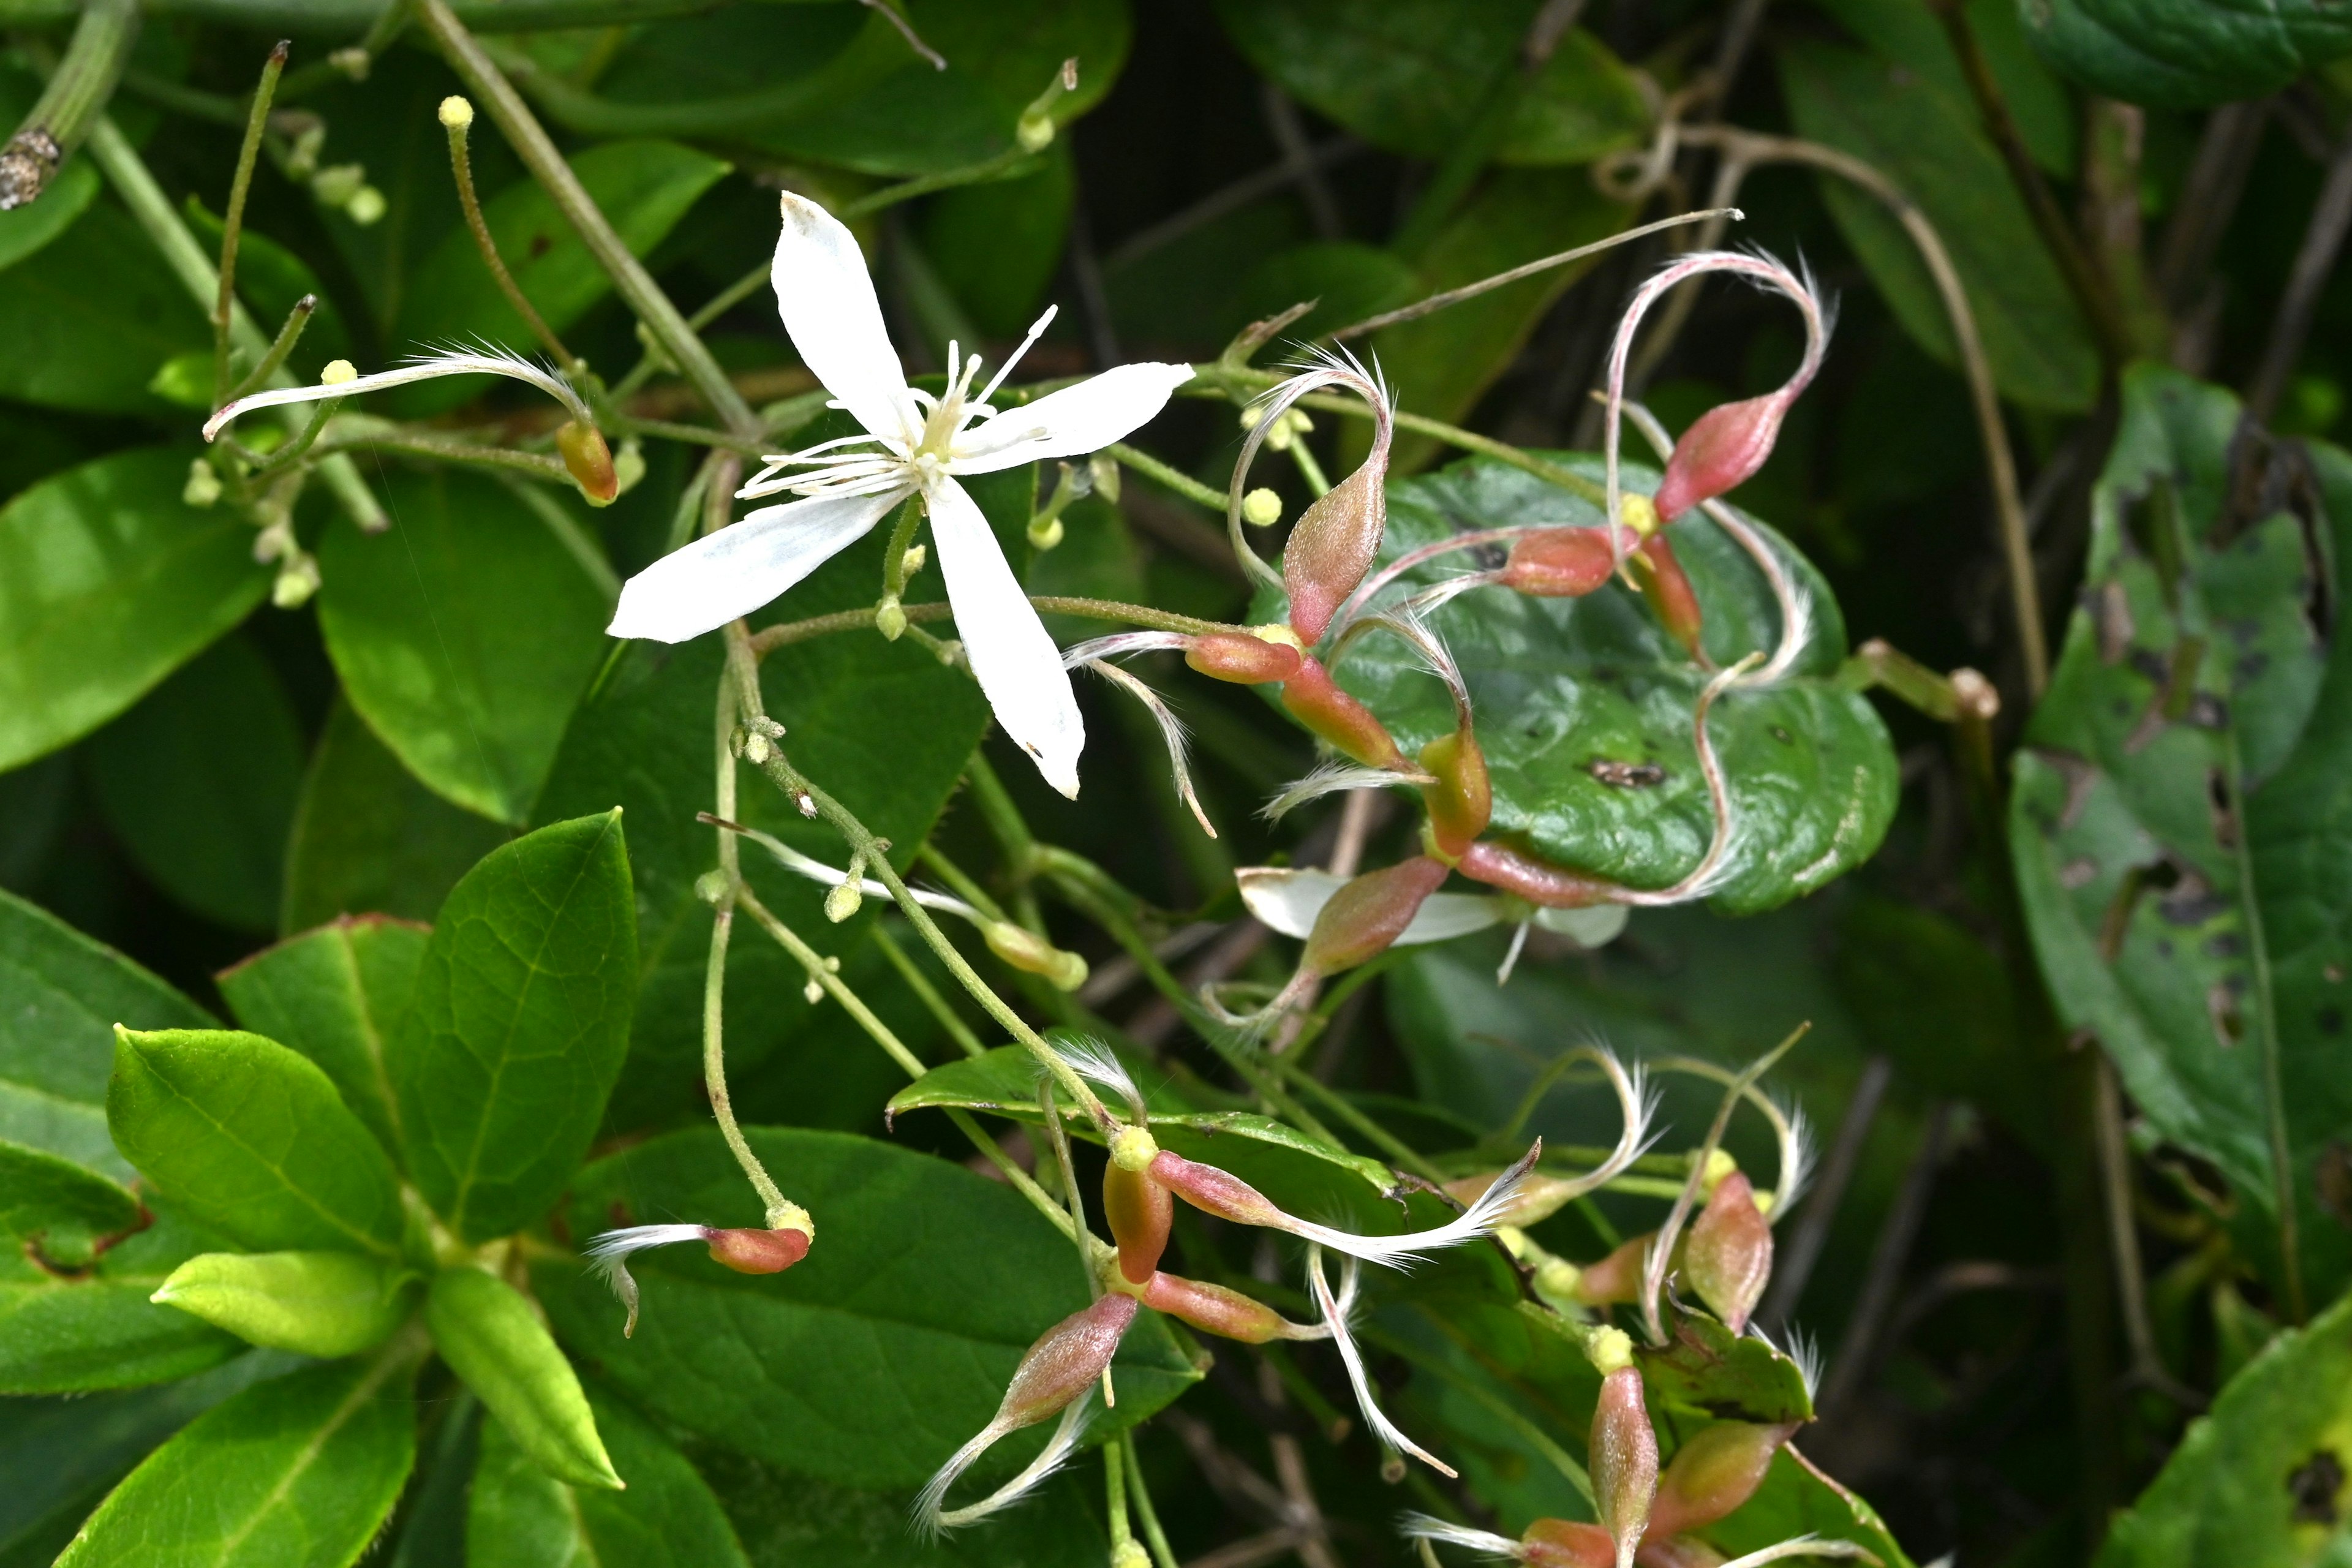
(1638, 513)
(890, 618)
(1103, 469)
(338, 372)
(628, 467)
(457, 111)
(353, 62)
(912, 562)
(841, 902)
(813, 993)
(833, 965)
(756, 749)
(203, 485)
(1045, 533)
(296, 581)
(1034, 133)
(338, 183)
(711, 886)
(1133, 1147)
(1251, 413)
(759, 1251)
(589, 461)
(1261, 507)
(1129, 1553)
(1720, 1165)
(303, 156)
(366, 207)
(1609, 1350)
(950, 652)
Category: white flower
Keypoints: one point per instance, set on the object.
(914, 444)
(1287, 899)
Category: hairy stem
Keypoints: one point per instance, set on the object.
(70, 106)
(232, 220)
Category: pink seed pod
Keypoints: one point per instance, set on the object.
(1668, 591)
(1367, 915)
(1214, 1310)
(1713, 1474)
(1462, 801)
(1242, 659)
(1566, 1543)
(1560, 563)
(588, 460)
(1317, 702)
(1538, 881)
(1215, 1192)
(1616, 1279)
(758, 1251)
(1728, 1257)
(1139, 1211)
(1623, 1461)
(1065, 1362)
(1334, 543)
(1721, 450)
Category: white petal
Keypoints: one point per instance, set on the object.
(1069, 423)
(743, 566)
(827, 300)
(1288, 898)
(1594, 927)
(1018, 665)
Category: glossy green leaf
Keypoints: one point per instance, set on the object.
(61, 995)
(313, 1303)
(519, 1023)
(253, 1141)
(926, 1284)
(91, 316)
(271, 277)
(2186, 54)
(198, 782)
(491, 1337)
(998, 245)
(1913, 37)
(299, 1472)
(1348, 281)
(1559, 685)
(2174, 822)
(1704, 1366)
(369, 838)
(336, 995)
(1925, 136)
(2259, 1481)
(783, 1517)
(113, 582)
(1415, 76)
(642, 188)
(422, 623)
(24, 229)
(1797, 1499)
(520, 1517)
(65, 1337)
(64, 1206)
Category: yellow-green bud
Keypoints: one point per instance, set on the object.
(1133, 1147)
(1045, 533)
(338, 372)
(1034, 133)
(813, 993)
(1720, 1165)
(296, 581)
(890, 618)
(338, 183)
(710, 887)
(1609, 1350)
(353, 62)
(1261, 507)
(203, 485)
(1638, 513)
(1103, 469)
(912, 562)
(842, 902)
(457, 111)
(366, 205)
(628, 467)
(1129, 1553)
(1026, 951)
(303, 156)
(756, 749)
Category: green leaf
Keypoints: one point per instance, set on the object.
(91, 316)
(518, 1026)
(64, 1206)
(1797, 1499)
(199, 780)
(271, 277)
(998, 245)
(2259, 1481)
(1348, 281)
(2186, 54)
(61, 995)
(1926, 138)
(1415, 76)
(1738, 1377)
(1811, 772)
(642, 188)
(785, 1518)
(252, 1139)
(336, 995)
(24, 229)
(368, 838)
(925, 1286)
(1911, 36)
(491, 1338)
(299, 1472)
(113, 582)
(422, 623)
(520, 1517)
(65, 1337)
(2175, 823)
(314, 1303)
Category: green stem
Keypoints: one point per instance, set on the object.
(769, 638)
(70, 107)
(1153, 1536)
(902, 539)
(714, 1067)
(282, 345)
(1167, 477)
(928, 993)
(532, 465)
(1379, 1136)
(958, 882)
(461, 170)
(232, 220)
(2282, 1183)
(1004, 818)
(1114, 1497)
(283, 460)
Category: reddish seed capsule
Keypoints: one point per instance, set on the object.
(1728, 1257)
(1714, 1473)
(1369, 914)
(758, 1251)
(1317, 702)
(1536, 880)
(588, 460)
(1616, 1278)
(1623, 1461)
(1215, 1192)
(1669, 592)
(1334, 543)
(1724, 449)
(1244, 659)
(1567, 1543)
(1065, 1362)
(1462, 801)
(1560, 562)
(1213, 1309)
(1139, 1211)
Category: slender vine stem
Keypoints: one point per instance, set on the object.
(72, 103)
(928, 993)
(461, 171)
(232, 219)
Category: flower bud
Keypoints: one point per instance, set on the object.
(1034, 132)
(1728, 1257)
(1560, 562)
(1462, 801)
(1129, 1553)
(1369, 914)
(1139, 1211)
(759, 1251)
(1261, 507)
(912, 562)
(1213, 1308)
(297, 579)
(1044, 531)
(588, 461)
(457, 111)
(842, 902)
(1315, 699)
(1241, 658)
(366, 207)
(1670, 594)
(1723, 448)
(1566, 1543)
(337, 371)
(1102, 472)
(628, 466)
(203, 485)
(1616, 1278)
(890, 618)
(813, 991)
(1536, 880)
(1026, 951)
(1624, 1460)
(302, 156)
(1714, 1473)
(1537, 1198)
(1332, 546)
(1214, 1190)
(336, 186)
(354, 61)
(1065, 1362)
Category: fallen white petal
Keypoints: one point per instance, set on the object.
(1019, 667)
(1594, 927)
(826, 298)
(743, 566)
(1069, 423)
(1287, 899)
